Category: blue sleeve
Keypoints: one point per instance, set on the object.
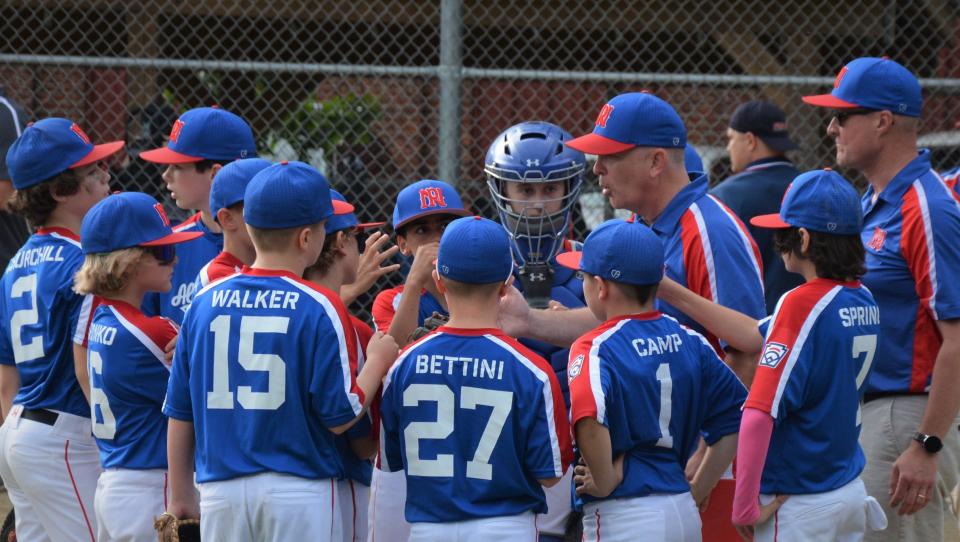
(541, 453)
(945, 226)
(361, 429)
(391, 452)
(738, 283)
(334, 394)
(178, 403)
(724, 397)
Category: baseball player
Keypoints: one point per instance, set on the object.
(201, 141)
(643, 389)
(48, 459)
(337, 266)
(422, 210)
(473, 418)
(262, 380)
(226, 208)
(127, 367)
(798, 437)
(535, 181)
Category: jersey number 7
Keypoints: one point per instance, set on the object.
(479, 467)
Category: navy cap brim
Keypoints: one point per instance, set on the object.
(779, 143)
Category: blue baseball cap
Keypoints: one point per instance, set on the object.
(287, 195)
(50, 147)
(345, 221)
(873, 83)
(819, 200)
(475, 250)
(144, 224)
(619, 250)
(205, 133)
(231, 182)
(635, 119)
(692, 160)
(424, 198)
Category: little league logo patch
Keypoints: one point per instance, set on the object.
(575, 367)
(773, 354)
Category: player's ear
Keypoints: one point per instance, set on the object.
(804, 241)
(603, 287)
(438, 282)
(751, 141)
(402, 244)
(225, 218)
(213, 171)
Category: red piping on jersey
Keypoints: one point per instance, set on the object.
(696, 273)
(62, 231)
(83, 510)
(353, 497)
(913, 248)
(471, 332)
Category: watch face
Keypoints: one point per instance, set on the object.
(932, 444)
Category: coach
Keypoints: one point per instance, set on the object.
(639, 141)
(910, 230)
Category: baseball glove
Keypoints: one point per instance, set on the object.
(433, 322)
(171, 529)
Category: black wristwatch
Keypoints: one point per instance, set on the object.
(931, 444)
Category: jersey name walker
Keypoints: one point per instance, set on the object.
(38, 315)
(657, 386)
(474, 419)
(263, 370)
(708, 250)
(128, 382)
(191, 257)
(910, 235)
(819, 346)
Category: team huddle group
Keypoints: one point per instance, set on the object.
(520, 385)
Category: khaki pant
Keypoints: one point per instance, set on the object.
(889, 424)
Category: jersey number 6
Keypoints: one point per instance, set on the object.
(479, 467)
(272, 364)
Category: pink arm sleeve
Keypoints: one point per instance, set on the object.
(756, 427)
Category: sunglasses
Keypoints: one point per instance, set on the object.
(164, 254)
(844, 114)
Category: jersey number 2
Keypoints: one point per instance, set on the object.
(272, 364)
(25, 317)
(479, 467)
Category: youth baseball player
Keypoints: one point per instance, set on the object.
(473, 418)
(127, 367)
(48, 458)
(226, 208)
(535, 180)
(336, 267)
(201, 141)
(262, 378)
(643, 390)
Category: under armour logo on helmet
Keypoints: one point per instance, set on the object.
(533, 162)
(175, 131)
(75, 128)
(537, 277)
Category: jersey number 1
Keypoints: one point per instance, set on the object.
(479, 467)
(272, 364)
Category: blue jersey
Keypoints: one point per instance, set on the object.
(819, 346)
(356, 468)
(263, 370)
(708, 250)
(657, 387)
(474, 419)
(38, 314)
(128, 382)
(386, 303)
(910, 233)
(191, 257)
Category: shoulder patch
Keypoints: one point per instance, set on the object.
(575, 367)
(773, 354)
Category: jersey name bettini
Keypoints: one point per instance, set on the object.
(864, 315)
(102, 334)
(246, 299)
(651, 346)
(36, 256)
(439, 364)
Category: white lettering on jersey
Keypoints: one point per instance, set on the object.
(439, 364)
(247, 299)
(651, 346)
(102, 334)
(36, 256)
(184, 296)
(864, 315)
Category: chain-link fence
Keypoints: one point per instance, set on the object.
(379, 93)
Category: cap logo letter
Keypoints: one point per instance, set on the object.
(175, 131)
(836, 82)
(75, 128)
(163, 214)
(604, 115)
(432, 197)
